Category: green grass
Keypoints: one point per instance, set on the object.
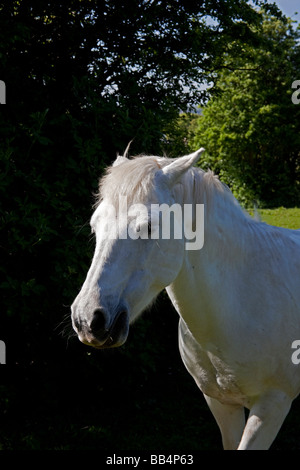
(281, 217)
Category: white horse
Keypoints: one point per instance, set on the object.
(238, 297)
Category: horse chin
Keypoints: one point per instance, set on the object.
(116, 336)
(111, 343)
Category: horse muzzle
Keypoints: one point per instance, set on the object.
(100, 333)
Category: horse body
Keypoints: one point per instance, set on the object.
(238, 298)
(244, 312)
(239, 308)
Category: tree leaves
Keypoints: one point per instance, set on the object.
(251, 127)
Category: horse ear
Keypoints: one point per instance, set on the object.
(120, 159)
(178, 167)
(124, 157)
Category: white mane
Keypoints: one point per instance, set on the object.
(135, 177)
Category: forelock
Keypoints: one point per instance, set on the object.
(132, 178)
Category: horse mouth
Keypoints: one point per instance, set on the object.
(115, 336)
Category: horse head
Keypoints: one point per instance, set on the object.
(132, 261)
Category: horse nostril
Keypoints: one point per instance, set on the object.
(77, 324)
(99, 321)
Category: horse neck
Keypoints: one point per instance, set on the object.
(226, 235)
(225, 223)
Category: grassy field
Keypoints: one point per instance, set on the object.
(281, 217)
